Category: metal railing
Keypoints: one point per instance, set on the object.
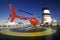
(10, 26)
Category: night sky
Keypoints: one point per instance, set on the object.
(32, 6)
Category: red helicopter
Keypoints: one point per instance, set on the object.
(13, 15)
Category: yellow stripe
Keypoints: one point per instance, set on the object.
(46, 32)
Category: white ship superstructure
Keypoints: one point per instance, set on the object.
(46, 18)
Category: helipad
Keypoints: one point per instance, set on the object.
(48, 31)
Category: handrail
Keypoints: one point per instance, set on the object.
(9, 26)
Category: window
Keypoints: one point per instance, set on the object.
(9, 25)
(0, 25)
(4, 26)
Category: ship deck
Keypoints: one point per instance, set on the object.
(48, 31)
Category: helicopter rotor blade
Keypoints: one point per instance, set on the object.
(28, 13)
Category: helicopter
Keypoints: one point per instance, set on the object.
(13, 15)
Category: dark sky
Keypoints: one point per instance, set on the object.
(32, 6)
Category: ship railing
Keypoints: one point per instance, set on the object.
(10, 26)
